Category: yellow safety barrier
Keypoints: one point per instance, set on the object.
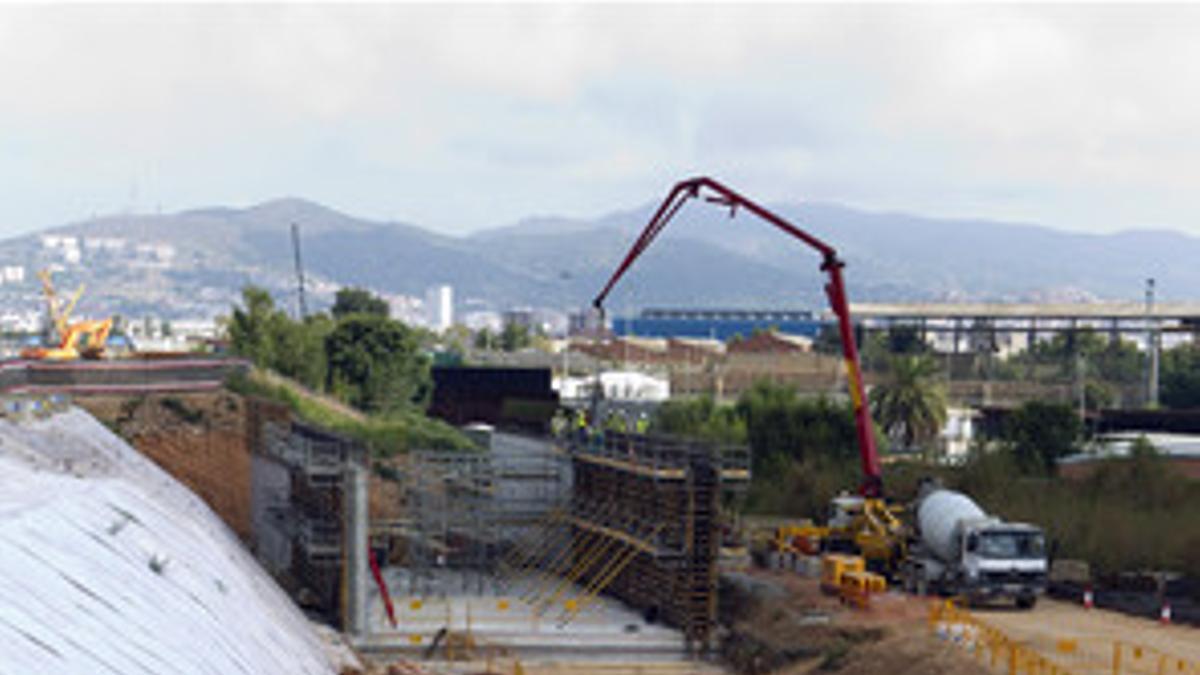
(1050, 655)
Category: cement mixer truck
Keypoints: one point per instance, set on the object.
(960, 550)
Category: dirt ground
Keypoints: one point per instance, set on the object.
(892, 636)
(199, 438)
(1069, 620)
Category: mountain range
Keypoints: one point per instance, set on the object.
(194, 263)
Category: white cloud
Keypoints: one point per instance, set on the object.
(461, 116)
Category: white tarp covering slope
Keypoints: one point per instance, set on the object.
(108, 565)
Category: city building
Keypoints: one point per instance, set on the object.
(483, 320)
(616, 385)
(717, 324)
(770, 342)
(12, 274)
(439, 307)
(522, 317)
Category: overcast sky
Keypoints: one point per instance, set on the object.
(463, 117)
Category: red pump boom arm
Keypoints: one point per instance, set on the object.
(835, 289)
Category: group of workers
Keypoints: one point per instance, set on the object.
(614, 421)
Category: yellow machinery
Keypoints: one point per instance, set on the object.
(868, 527)
(82, 339)
(801, 539)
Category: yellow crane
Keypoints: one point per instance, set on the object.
(82, 339)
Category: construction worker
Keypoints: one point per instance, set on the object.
(643, 423)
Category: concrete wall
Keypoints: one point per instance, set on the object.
(531, 480)
(118, 376)
(271, 524)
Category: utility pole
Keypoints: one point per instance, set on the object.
(1151, 347)
(1081, 384)
(299, 271)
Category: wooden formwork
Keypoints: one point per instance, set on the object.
(661, 497)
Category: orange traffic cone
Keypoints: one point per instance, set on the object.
(1164, 617)
(1088, 600)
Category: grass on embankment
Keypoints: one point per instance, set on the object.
(385, 435)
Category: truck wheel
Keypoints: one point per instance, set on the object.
(1026, 601)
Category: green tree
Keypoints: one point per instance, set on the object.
(1111, 360)
(906, 339)
(699, 418)
(1180, 377)
(300, 350)
(375, 364)
(485, 339)
(266, 335)
(514, 337)
(252, 327)
(874, 352)
(910, 405)
(828, 341)
(1038, 433)
(781, 427)
(350, 301)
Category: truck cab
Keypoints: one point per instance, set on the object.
(1003, 560)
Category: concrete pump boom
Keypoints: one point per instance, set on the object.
(835, 290)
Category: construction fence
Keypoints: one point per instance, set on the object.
(1051, 654)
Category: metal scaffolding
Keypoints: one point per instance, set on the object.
(307, 509)
(465, 511)
(634, 516)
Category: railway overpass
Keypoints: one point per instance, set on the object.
(1007, 327)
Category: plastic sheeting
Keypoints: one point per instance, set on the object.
(108, 565)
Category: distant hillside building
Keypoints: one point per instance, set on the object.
(12, 274)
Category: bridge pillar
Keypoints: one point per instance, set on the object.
(355, 572)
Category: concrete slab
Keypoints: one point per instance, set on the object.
(499, 617)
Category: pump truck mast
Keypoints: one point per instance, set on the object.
(717, 193)
(864, 522)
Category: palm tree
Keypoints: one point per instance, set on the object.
(911, 404)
